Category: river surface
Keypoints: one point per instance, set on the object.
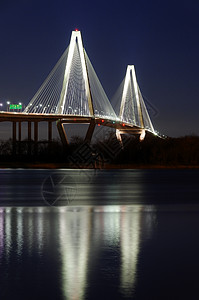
(93, 234)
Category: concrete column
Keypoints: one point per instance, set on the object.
(19, 137)
(19, 131)
(49, 131)
(62, 133)
(29, 138)
(90, 131)
(49, 137)
(29, 131)
(35, 137)
(14, 133)
(36, 131)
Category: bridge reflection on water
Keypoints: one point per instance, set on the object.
(68, 247)
(127, 233)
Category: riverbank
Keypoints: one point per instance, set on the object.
(152, 153)
(38, 165)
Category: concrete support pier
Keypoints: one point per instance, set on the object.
(14, 137)
(35, 137)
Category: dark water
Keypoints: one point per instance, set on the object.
(126, 234)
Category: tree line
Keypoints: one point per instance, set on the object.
(153, 151)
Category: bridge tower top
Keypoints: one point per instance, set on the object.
(75, 49)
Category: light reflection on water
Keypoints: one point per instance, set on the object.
(130, 246)
(75, 239)
(123, 231)
(89, 187)
(74, 236)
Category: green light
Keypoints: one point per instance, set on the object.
(15, 106)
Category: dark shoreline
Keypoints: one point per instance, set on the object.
(36, 165)
(152, 153)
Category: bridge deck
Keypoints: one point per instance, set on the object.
(32, 117)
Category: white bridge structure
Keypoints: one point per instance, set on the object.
(72, 93)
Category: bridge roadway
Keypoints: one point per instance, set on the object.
(20, 117)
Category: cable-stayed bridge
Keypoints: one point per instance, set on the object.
(72, 93)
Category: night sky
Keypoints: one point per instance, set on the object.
(161, 38)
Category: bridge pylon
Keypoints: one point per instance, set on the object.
(72, 88)
(80, 85)
(133, 109)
